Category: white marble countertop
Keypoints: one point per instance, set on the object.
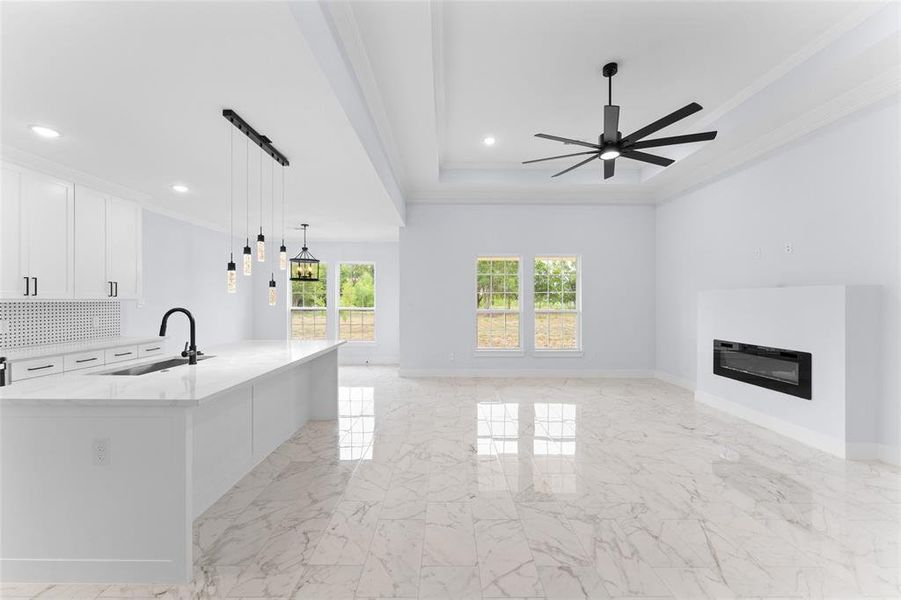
(28, 352)
(227, 367)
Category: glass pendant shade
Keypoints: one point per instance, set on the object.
(273, 295)
(232, 277)
(261, 247)
(282, 257)
(248, 259)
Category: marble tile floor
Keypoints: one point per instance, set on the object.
(539, 488)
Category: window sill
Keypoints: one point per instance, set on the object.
(359, 343)
(498, 353)
(557, 353)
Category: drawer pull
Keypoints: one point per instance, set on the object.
(151, 349)
(39, 368)
(84, 360)
(122, 354)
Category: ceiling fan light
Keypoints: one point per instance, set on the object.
(609, 153)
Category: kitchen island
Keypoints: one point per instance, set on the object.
(103, 475)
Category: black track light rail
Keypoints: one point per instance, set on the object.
(257, 138)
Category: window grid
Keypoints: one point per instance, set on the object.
(497, 303)
(556, 302)
(309, 307)
(356, 302)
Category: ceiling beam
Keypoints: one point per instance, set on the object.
(319, 30)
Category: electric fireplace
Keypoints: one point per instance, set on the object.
(786, 371)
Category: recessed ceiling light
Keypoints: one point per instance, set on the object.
(489, 141)
(181, 189)
(45, 132)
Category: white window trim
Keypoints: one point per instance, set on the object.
(497, 352)
(560, 352)
(339, 308)
(289, 300)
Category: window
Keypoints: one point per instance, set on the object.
(497, 304)
(356, 306)
(557, 303)
(309, 302)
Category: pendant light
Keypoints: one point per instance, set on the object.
(283, 250)
(248, 257)
(231, 273)
(261, 239)
(273, 295)
(304, 266)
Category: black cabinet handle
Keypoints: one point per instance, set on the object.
(84, 360)
(116, 284)
(122, 354)
(151, 349)
(39, 368)
(27, 286)
(35, 291)
(110, 294)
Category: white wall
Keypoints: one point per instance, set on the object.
(438, 250)
(836, 204)
(272, 322)
(184, 265)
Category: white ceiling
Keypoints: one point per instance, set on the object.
(450, 73)
(137, 90)
(378, 102)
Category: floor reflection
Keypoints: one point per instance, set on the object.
(553, 446)
(356, 422)
(497, 428)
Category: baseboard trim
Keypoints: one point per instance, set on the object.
(676, 380)
(790, 430)
(74, 570)
(531, 373)
(388, 361)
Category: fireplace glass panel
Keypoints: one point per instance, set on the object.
(763, 366)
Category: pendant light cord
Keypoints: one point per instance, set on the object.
(283, 205)
(261, 190)
(231, 191)
(247, 188)
(272, 197)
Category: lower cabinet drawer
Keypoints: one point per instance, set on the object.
(151, 349)
(114, 355)
(83, 360)
(36, 367)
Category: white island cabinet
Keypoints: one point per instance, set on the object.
(103, 475)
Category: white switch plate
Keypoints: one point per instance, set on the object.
(789, 248)
(95, 322)
(4, 326)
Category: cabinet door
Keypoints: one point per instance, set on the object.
(12, 282)
(123, 239)
(91, 280)
(47, 206)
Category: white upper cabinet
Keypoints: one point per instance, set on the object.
(12, 283)
(123, 246)
(108, 246)
(37, 253)
(60, 240)
(90, 244)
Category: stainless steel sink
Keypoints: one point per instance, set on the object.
(161, 365)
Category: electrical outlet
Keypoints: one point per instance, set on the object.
(4, 326)
(758, 253)
(95, 322)
(101, 452)
(789, 248)
(452, 357)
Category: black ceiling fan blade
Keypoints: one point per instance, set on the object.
(575, 166)
(688, 109)
(566, 140)
(526, 162)
(611, 123)
(676, 139)
(609, 167)
(648, 158)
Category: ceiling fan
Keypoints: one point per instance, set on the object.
(611, 144)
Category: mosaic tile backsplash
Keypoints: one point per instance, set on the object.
(57, 322)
